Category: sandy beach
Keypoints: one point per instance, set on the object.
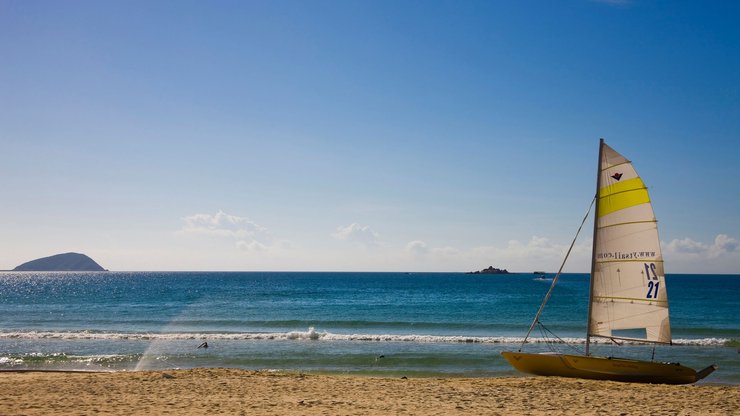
(229, 391)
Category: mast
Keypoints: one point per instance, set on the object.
(593, 249)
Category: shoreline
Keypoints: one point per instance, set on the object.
(234, 391)
(331, 374)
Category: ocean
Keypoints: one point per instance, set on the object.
(390, 324)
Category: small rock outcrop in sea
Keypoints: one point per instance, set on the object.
(491, 270)
(67, 262)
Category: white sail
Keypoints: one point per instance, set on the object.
(628, 283)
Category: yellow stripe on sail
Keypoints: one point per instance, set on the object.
(617, 187)
(622, 195)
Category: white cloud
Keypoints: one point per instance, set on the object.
(537, 250)
(222, 225)
(247, 235)
(250, 245)
(723, 244)
(356, 233)
(538, 253)
(685, 255)
(685, 245)
(417, 248)
(446, 252)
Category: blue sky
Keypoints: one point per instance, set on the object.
(358, 135)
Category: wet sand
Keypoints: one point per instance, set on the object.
(240, 392)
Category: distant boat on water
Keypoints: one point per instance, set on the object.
(542, 276)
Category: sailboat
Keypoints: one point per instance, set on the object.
(627, 295)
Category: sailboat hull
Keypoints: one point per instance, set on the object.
(600, 368)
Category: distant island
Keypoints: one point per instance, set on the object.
(67, 262)
(490, 270)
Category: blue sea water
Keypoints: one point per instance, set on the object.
(414, 324)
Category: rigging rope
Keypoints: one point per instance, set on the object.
(544, 331)
(555, 279)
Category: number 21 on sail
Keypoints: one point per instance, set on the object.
(653, 283)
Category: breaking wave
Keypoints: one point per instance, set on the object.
(313, 335)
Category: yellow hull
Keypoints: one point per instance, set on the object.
(599, 368)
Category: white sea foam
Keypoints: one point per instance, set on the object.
(10, 361)
(310, 334)
(313, 335)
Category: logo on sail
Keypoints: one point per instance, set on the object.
(617, 176)
(619, 255)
